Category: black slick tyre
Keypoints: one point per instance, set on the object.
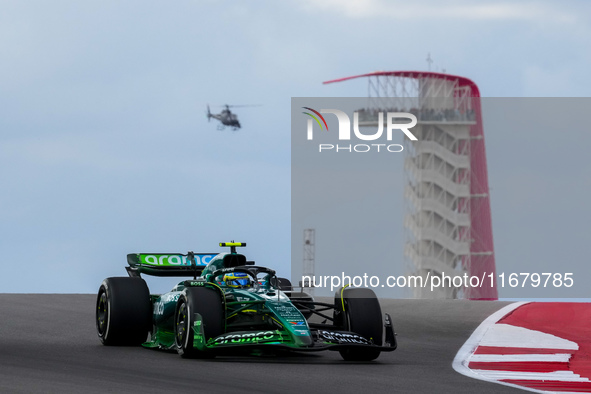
(208, 303)
(123, 311)
(358, 310)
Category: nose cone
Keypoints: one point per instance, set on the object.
(304, 340)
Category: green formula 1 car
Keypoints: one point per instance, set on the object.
(231, 305)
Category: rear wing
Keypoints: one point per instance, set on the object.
(168, 264)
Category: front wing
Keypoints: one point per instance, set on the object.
(322, 339)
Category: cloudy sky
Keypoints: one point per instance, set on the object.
(105, 148)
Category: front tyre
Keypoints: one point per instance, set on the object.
(208, 303)
(359, 312)
(123, 311)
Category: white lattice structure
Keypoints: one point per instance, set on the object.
(309, 262)
(437, 195)
(447, 220)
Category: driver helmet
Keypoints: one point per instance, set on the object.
(237, 279)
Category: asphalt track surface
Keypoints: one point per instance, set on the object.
(48, 344)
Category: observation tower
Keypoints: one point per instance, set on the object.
(448, 227)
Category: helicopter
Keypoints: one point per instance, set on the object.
(226, 117)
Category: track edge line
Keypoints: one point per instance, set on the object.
(468, 348)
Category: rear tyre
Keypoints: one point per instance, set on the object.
(358, 311)
(208, 303)
(123, 311)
